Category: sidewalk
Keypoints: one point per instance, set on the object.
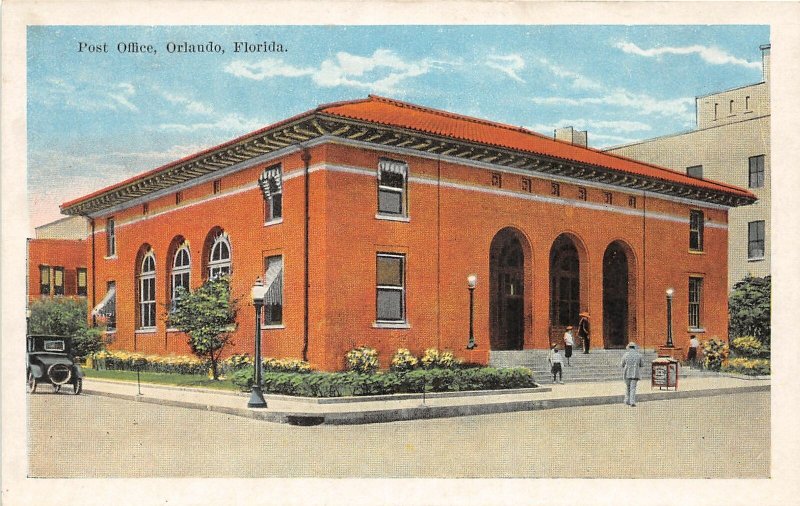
(377, 409)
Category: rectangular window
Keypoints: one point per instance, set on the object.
(391, 287)
(755, 239)
(756, 164)
(695, 303)
(145, 208)
(608, 197)
(81, 277)
(111, 240)
(696, 223)
(58, 281)
(273, 282)
(147, 302)
(178, 197)
(271, 182)
(555, 189)
(526, 185)
(44, 279)
(582, 193)
(695, 171)
(217, 186)
(392, 179)
(110, 307)
(631, 201)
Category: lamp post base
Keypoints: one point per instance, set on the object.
(256, 399)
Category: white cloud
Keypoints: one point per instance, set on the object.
(381, 72)
(712, 55)
(508, 64)
(192, 106)
(228, 123)
(681, 108)
(579, 81)
(86, 96)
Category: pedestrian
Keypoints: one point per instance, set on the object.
(631, 364)
(569, 342)
(555, 360)
(692, 355)
(583, 330)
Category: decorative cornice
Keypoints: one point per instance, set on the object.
(317, 124)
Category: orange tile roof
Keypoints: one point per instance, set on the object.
(392, 112)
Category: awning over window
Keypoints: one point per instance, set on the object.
(107, 306)
(273, 281)
(270, 182)
(393, 166)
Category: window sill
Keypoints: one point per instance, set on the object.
(112, 257)
(273, 222)
(391, 325)
(145, 331)
(273, 327)
(696, 331)
(696, 252)
(112, 331)
(173, 330)
(390, 217)
(756, 259)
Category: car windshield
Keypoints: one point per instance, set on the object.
(54, 345)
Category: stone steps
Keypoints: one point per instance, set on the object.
(598, 365)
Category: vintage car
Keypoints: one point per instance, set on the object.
(50, 361)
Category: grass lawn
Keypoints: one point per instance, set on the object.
(161, 378)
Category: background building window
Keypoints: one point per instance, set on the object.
(219, 262)
(756, 164)
(44, 279)
(391, 287)
(147, 291)
(695, 303)
(58, 281)
(273, 282)
(755, 239)
(181, 269)
(271, 183)
(111, 240)
(392, 177)
(696, 223)
(695, 171)
(81, 280)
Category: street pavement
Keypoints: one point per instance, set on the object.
(716, 436)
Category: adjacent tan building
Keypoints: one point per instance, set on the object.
(731, 144)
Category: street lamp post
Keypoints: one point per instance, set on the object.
(256, 396)
(670, 291)
(472, 282)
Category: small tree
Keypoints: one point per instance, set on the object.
(66, 317)
(749, 308)
(208, 316)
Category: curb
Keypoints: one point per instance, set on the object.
(424, 412)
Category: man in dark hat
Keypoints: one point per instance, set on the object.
(583, 331)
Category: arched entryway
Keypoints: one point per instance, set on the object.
(568, 284)
(508, 271)
(619, 303)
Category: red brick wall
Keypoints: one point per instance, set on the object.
(67, 253)
(447, 237)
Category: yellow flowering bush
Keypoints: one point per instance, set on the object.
(362, 359)
(403, 360)
(749, 346)
(748, 366)
(433, 358)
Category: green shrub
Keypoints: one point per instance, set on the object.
(362, 359)
(715, 352)
(66, 317)
(749, 346)
(749, 309)
(748, 366)
(403, 360)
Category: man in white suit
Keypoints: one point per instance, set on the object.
(631, 364)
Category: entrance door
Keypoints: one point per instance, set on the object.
(615, 297)
(508, 271)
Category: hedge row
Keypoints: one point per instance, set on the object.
(748, 366)
(182, 364)
(339, 384)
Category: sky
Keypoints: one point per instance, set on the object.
(99, 112)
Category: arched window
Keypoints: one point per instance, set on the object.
(147, 291)
(181, 268)
(219, 262)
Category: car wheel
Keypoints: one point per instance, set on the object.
(56, 389)
(77, 386)
(31, 384)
